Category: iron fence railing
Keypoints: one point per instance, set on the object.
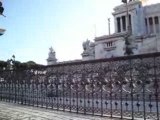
(125, 87)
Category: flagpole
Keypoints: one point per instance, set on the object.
(128, 21)
(109, 29)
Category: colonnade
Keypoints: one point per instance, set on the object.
(121, 23)
(152, 24)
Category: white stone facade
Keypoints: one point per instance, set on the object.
(145, 27)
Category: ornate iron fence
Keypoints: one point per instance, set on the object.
(125, 87)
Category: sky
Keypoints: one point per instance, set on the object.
(33, 26)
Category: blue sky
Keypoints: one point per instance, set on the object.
(32, 26)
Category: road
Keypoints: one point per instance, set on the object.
(11, 111)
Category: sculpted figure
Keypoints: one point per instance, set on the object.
(51, 49)
(51, 57)
(51, 53)
(86, 45)
(88, 48)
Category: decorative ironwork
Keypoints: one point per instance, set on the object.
(118, 87)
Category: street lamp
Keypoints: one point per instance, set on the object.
(128, 38)
(1, 9)
(1, 13)
(2, 31)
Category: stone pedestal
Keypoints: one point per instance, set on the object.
(87, 56)
(51, 61)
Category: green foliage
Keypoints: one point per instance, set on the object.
(16, 65)
(3, 65)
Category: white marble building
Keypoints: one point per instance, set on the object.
(145, 27)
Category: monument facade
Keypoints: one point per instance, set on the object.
(144, 23)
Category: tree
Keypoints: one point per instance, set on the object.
(3, 65)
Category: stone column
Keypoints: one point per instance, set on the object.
(121, 22)
(133, 25)
(126, 22)
(115, 24)
(159, 23)
(148, 25)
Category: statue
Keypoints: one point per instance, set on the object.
(51, 53)
(89, 51)
(51, 57)
(86, 45)
(51, 49)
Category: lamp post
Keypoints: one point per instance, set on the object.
(1, 13)
(1, 9)
(128, 39)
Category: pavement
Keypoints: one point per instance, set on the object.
(11, 111)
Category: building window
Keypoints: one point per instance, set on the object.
(118, 24)
(156, 21)
(150, 21)
(151, 24)
(109, 44)
(124, 23)
(130, 22)
(146, 25)
(146, 22)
